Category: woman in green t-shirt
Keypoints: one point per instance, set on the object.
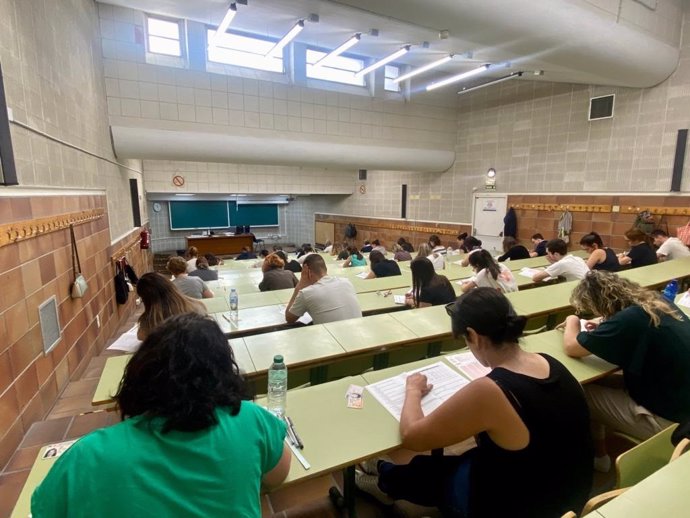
(191, 442)
(649, 339)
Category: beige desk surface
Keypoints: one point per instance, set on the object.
(251, 319)
(542, 300)
(216, 304)
(332, 433)
(663, 494)
(431, 322)
(382, 283)
(658, 274)
(39, 470)
(379, 300)
(379, 331)
(114, 369)
(299, 346)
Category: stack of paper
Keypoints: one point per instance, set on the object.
(468, 365)
(531, 272)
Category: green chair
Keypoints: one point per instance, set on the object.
(644, 459)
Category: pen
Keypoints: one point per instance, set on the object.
(291, 425)
(290, 433)
(227, 318)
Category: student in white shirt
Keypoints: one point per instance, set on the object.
(436, 246)
(436, 259)
(570, 266)
(489, 274)
(669, 247)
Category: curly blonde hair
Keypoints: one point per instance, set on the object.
(605, 294)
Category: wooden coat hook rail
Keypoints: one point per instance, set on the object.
(125, 249)
(19, 230)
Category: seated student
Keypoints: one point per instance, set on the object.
(378, 247)
(513, 250)
(344, 252)
(641, 252)
(366, 248)
(649, 339)
(328, 247)
(202, 270)
(263, 254)
(304, 249)
(428, 287)
(669, 247)
(489, 274)
(213, 260)
(192, 253)
(335, 249)
(245, 254)
(570, 266)
(162, 300)
(405, 245)
(275, 276)
(471, 244)
(355, 258)
(600, 257)
(400, 254)
(461, 242)
(382, 267)
(191, 286)
(529, 416)
(305, 252)
(539, 245)
(436, 246)
(438, 260)
(325, 298)
(191, 442)
(290, 264)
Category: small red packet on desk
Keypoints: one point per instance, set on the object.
(53, 451)
(354, 396)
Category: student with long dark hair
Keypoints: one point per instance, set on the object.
(381, 267)
(522, 414)
(428, 287)
(191, 442)
(513, 250)
(641, 252)
(162, 300)
(489, 274)
(355, 258)
(600, 256)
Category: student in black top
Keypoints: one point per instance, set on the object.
(290, 265)
(528, 415)
(600, 257)
(649, 338)
(641, 252)
(367, 247)
(461, 242)
(405, 245)
(513, 250)
(539, 245)
(245, 254)
(428, 287)
(381, 267)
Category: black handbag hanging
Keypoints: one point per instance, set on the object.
(121, 288)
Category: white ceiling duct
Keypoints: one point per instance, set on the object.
(158, 144)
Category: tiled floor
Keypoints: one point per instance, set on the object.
(73, 416)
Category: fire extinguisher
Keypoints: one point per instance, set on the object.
(144, 239)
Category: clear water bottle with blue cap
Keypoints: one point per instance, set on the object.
(671, 290)
(277, 386)
(234, 300)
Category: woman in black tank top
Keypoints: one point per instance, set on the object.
(534, 450)
(600, 257)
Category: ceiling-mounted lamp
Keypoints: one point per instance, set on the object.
(514, 75)
(458, 77)
(423, 69)
(391, 57)
(224, 24)
(291, 35)
(338, 51)
(491, 173)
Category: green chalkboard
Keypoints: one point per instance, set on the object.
(187, 215)
(255, 214)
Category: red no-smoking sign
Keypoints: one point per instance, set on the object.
(178, 181)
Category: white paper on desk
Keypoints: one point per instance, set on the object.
(399, 299)
(583, 325)
(684, 300)
(463, 281)
(305, 319)
(459, 263)
(467, 363)
(127, 342)
(531, 272)
(362, 275)
(391, 392)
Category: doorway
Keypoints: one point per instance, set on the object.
(488, 211)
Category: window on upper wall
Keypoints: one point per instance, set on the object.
(391, 73)
(163, 36)
(339, 69)
(244, 51)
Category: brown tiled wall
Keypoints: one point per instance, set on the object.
(611, 226)
(33, 270)
(377, 228)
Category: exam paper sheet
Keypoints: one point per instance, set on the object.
(468, 364)
(391, 392)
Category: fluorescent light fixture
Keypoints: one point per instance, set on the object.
(402, 51)
(337, 52)
(220, 31)
(423, 69)
(291, 35)
(185, 194)
(514, 75)
(458, 77)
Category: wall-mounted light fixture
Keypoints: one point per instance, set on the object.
(291, 35)
(490, 182)
(338, 51)
(384, 61)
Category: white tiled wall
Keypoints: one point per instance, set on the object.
(52, 68)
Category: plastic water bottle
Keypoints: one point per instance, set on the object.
(277, 386)
(671, 290)
(234, 300)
